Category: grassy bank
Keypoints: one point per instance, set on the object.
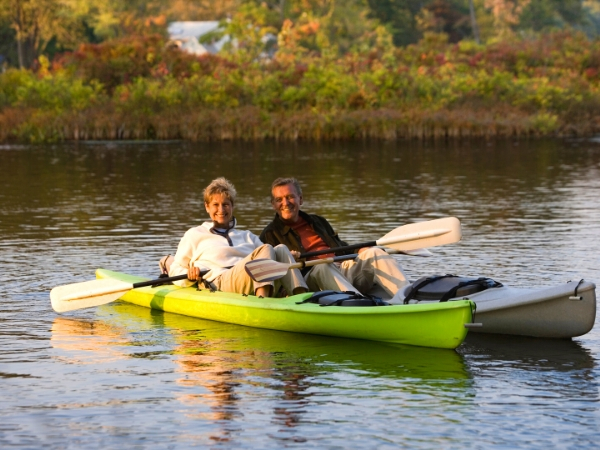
(138, 88)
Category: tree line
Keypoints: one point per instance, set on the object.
(338, 72)
(30, 28)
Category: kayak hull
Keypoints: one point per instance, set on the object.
(553, 312)
(562, 311)
(439, 325)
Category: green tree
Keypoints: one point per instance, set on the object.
(44, 26)
(176, 10)
(400, 18)
(444, 16)
(345, 23)
(326, 27)
(591, 17)
(32, 21)
(540, 15)
(8, 46)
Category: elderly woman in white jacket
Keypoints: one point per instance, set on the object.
(222, 249)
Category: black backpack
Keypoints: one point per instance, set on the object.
(349, 298)
(444, 287)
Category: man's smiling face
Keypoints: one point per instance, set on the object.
(286, 202)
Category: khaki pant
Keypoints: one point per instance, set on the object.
(237, 279)
(372, 266)
(328, 277)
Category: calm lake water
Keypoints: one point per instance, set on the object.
(119, 376)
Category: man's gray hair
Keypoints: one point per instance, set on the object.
(283, 181)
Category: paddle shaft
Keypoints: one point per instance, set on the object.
(102, 291)
(164, 280)
(338, 249)
(383, 241)
(314, 262)
(263, 270)
(161, 281)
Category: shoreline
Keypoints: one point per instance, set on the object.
(253, 124)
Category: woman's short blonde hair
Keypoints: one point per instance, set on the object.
(220, 185)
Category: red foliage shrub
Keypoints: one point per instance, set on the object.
(120, 61)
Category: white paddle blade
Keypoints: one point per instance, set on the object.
(87, 294)
(264, 270)
(431, 233)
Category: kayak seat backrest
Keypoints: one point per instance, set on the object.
(445, 287)
(337, 298)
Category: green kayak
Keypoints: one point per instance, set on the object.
(439, 325)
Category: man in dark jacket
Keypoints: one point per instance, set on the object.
(303, 233)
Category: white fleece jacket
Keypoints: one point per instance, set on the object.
(206, 250)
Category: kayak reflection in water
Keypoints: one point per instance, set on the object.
(218, 247)
(304, 233)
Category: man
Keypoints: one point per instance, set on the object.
(302, 232)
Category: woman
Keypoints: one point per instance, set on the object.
(223, 250)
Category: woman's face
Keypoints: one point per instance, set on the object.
(220, 210)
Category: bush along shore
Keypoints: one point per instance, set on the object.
(140, 88)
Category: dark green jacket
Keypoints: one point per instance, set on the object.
(278, 232)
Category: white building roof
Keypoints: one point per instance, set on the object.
(187, 34)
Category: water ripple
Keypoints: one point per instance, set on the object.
(120, 376)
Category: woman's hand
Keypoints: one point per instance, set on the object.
(194, 274)
(295, 254)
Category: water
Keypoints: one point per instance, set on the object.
(120, 376)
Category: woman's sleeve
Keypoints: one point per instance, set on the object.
(256, 240)
(181, 263)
